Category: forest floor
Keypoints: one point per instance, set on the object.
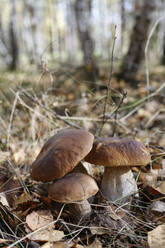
(33, 107)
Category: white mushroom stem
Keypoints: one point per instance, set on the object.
(118, 183)
(79, 210)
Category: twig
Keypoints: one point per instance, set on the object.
(130, 113)
(50, 111)
(72, 118)
(11, 117)
(108, 84)
(116, 111)
(39, 229)
(18, 176)
(143, 100)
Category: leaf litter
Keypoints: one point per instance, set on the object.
(37, 115)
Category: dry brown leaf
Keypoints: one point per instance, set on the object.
(161, 188)
(151, 193)
(47, 235)
(156, 165)
(11, 189)
(55, 245)
(99, 230)
(60, 245)
(2, 241)
(25, 204)
(156, 237)
(142, 114)
(162, 170)
(3, 156)
(158, 206)
(148, 179)
(162, 140)
(3, 199)
(39, 219)
(24, 197)
(19, 157)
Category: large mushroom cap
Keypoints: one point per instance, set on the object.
(112, 152)
(60, 154)
(72, 188)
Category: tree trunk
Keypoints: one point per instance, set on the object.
(163, 54)
(82, 12)
(123, 22)
(135, 54)
(14, 50)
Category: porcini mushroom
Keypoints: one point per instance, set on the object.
(60, 154)
(118, 156)
(74, 189)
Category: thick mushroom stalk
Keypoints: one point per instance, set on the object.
(74, 189)
(118, 183)
(80, 210)
(118, 156)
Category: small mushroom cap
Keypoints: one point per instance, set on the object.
(73, 187)
(60, 154)
(112, 152)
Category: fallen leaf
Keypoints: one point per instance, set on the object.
(3, 199)
(156, 237)
(24, 197)
(47, 235)
(162, 170)
(149, 193)
(11, 188)
(2, 241)
(161, 188)
(19, 157)
(4, 156)
(55, 245)
(37, 220)
(26, 206)
(158, 206)
(99, 230)
(148, 179)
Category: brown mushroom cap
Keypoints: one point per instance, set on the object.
(60, 154)
(72, 188)
(112, 152)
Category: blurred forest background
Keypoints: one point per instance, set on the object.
(80, 32)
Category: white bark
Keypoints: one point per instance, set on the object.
(118, 183)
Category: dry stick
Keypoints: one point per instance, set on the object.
(143, 100)
(8, 138)
(39, 229)
(28, 107)
(18, 176)
(50, 111)
(11, 117)
(73, 118)
(10, 229)
(130, 113)
(108, 85)
(116, 111)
